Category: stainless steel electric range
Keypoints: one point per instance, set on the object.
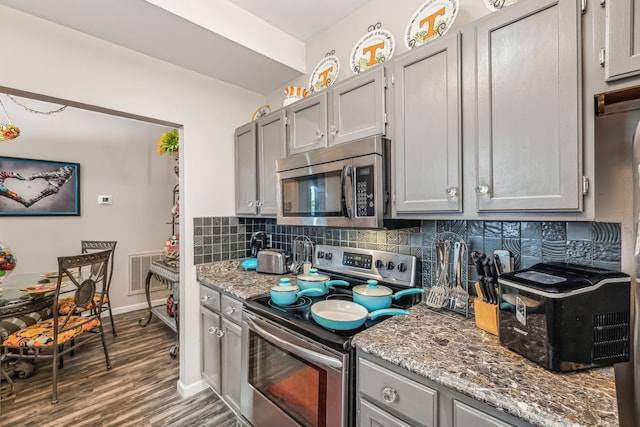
(296, 372)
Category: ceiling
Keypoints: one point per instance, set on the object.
(208, 38)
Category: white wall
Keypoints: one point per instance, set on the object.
(344, 35)
(52, 60)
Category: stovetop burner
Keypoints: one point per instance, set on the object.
(344, 264)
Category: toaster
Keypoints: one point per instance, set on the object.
(566, 317)
(272, 261)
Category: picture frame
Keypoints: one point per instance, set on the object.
(30, 187)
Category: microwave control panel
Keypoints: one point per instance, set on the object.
(365, 205)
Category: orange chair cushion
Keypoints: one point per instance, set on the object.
(66, 304)
(41, 334)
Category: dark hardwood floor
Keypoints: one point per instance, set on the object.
(139, 390)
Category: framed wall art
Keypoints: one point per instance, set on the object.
(38, 187)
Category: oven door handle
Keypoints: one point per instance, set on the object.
(347, 199)
(313, 356)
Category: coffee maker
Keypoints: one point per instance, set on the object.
(257, 243)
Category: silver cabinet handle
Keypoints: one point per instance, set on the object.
(452, 192)
(219, 333)
(212, 330)
(204, 298)
(333, 130)
(482, 190)
(389, 395)
(319, 135)
(229, 310)
(250, 203)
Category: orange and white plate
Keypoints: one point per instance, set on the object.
(372, 49)
(433, 19)
(325, 73)
(494, 5)
(263, 110)
(41, 289)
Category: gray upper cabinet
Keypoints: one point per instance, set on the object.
(245, 158)
(528, 98)
(622, 51)
(258, 145)
(427, 139)
(358, 107)
(271, 147)
(307, 123)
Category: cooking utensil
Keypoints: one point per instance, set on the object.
(375, 297)
(344, 315)
(438, 293)
(489, 281)
(286, 293)
(477, 262)
(459, 297)
(315, 280)
(302, 253)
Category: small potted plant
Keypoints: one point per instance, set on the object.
(169, 142)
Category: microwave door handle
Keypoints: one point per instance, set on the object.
(311, 355)
(347, 200)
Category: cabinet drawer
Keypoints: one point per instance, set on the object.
(402, 395)
(232, 308)
(209, 298)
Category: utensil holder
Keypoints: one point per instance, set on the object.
(486, 314)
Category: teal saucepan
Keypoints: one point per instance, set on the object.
(286, 293)
(315, 280)
(375, 297)
(345, 315)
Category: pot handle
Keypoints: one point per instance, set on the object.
(337, 282)
(387, 312)
(408, 292)
(314, 292)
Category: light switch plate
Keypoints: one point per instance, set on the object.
(104, 199)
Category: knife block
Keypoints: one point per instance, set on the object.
(486, 314)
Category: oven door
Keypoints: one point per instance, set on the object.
(288, 380)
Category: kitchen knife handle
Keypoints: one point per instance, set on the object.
(498, 264)
(488, 280)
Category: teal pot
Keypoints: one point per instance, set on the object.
(345, 315)
(286, 293)
(375, 297)
(314, 280)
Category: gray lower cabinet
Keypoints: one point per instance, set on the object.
(220, 319)
(427, 138)
(622, 52)
(257, 147)
(528, 104)
(389, 396)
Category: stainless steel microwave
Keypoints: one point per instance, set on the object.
(341, 186)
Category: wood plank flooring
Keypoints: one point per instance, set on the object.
(139, 390)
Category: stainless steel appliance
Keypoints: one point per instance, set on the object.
(295, 372)
(272, 261)
(566, 316)
(342, 186)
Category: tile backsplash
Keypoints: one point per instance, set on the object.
(589, 243)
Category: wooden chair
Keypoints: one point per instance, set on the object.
(85, 275)
(88, 246)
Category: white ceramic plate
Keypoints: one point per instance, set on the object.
(325, 73)
(433, 19)
(494, 5)
(372, 48)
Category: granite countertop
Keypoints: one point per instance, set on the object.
(451, 351)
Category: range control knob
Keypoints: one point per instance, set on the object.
(402, 267)
(328, 256)
(379, 263)
(320, 255)
(390, 265)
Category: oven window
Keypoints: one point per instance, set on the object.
(312, 195)
(298, 387)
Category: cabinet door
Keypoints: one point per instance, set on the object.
(231, 344)
(358, 107)
(246, 177)
(210, 327)
(464, 416)
(427, 134)
(528, 108)
(272, 145)
(372, 416)
(307, 123)
(623, 39)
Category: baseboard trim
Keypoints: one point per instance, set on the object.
(187, 391)
(139, 306)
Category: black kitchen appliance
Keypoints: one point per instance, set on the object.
(564, 316)
(297, 372)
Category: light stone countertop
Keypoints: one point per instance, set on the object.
(451, 351)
